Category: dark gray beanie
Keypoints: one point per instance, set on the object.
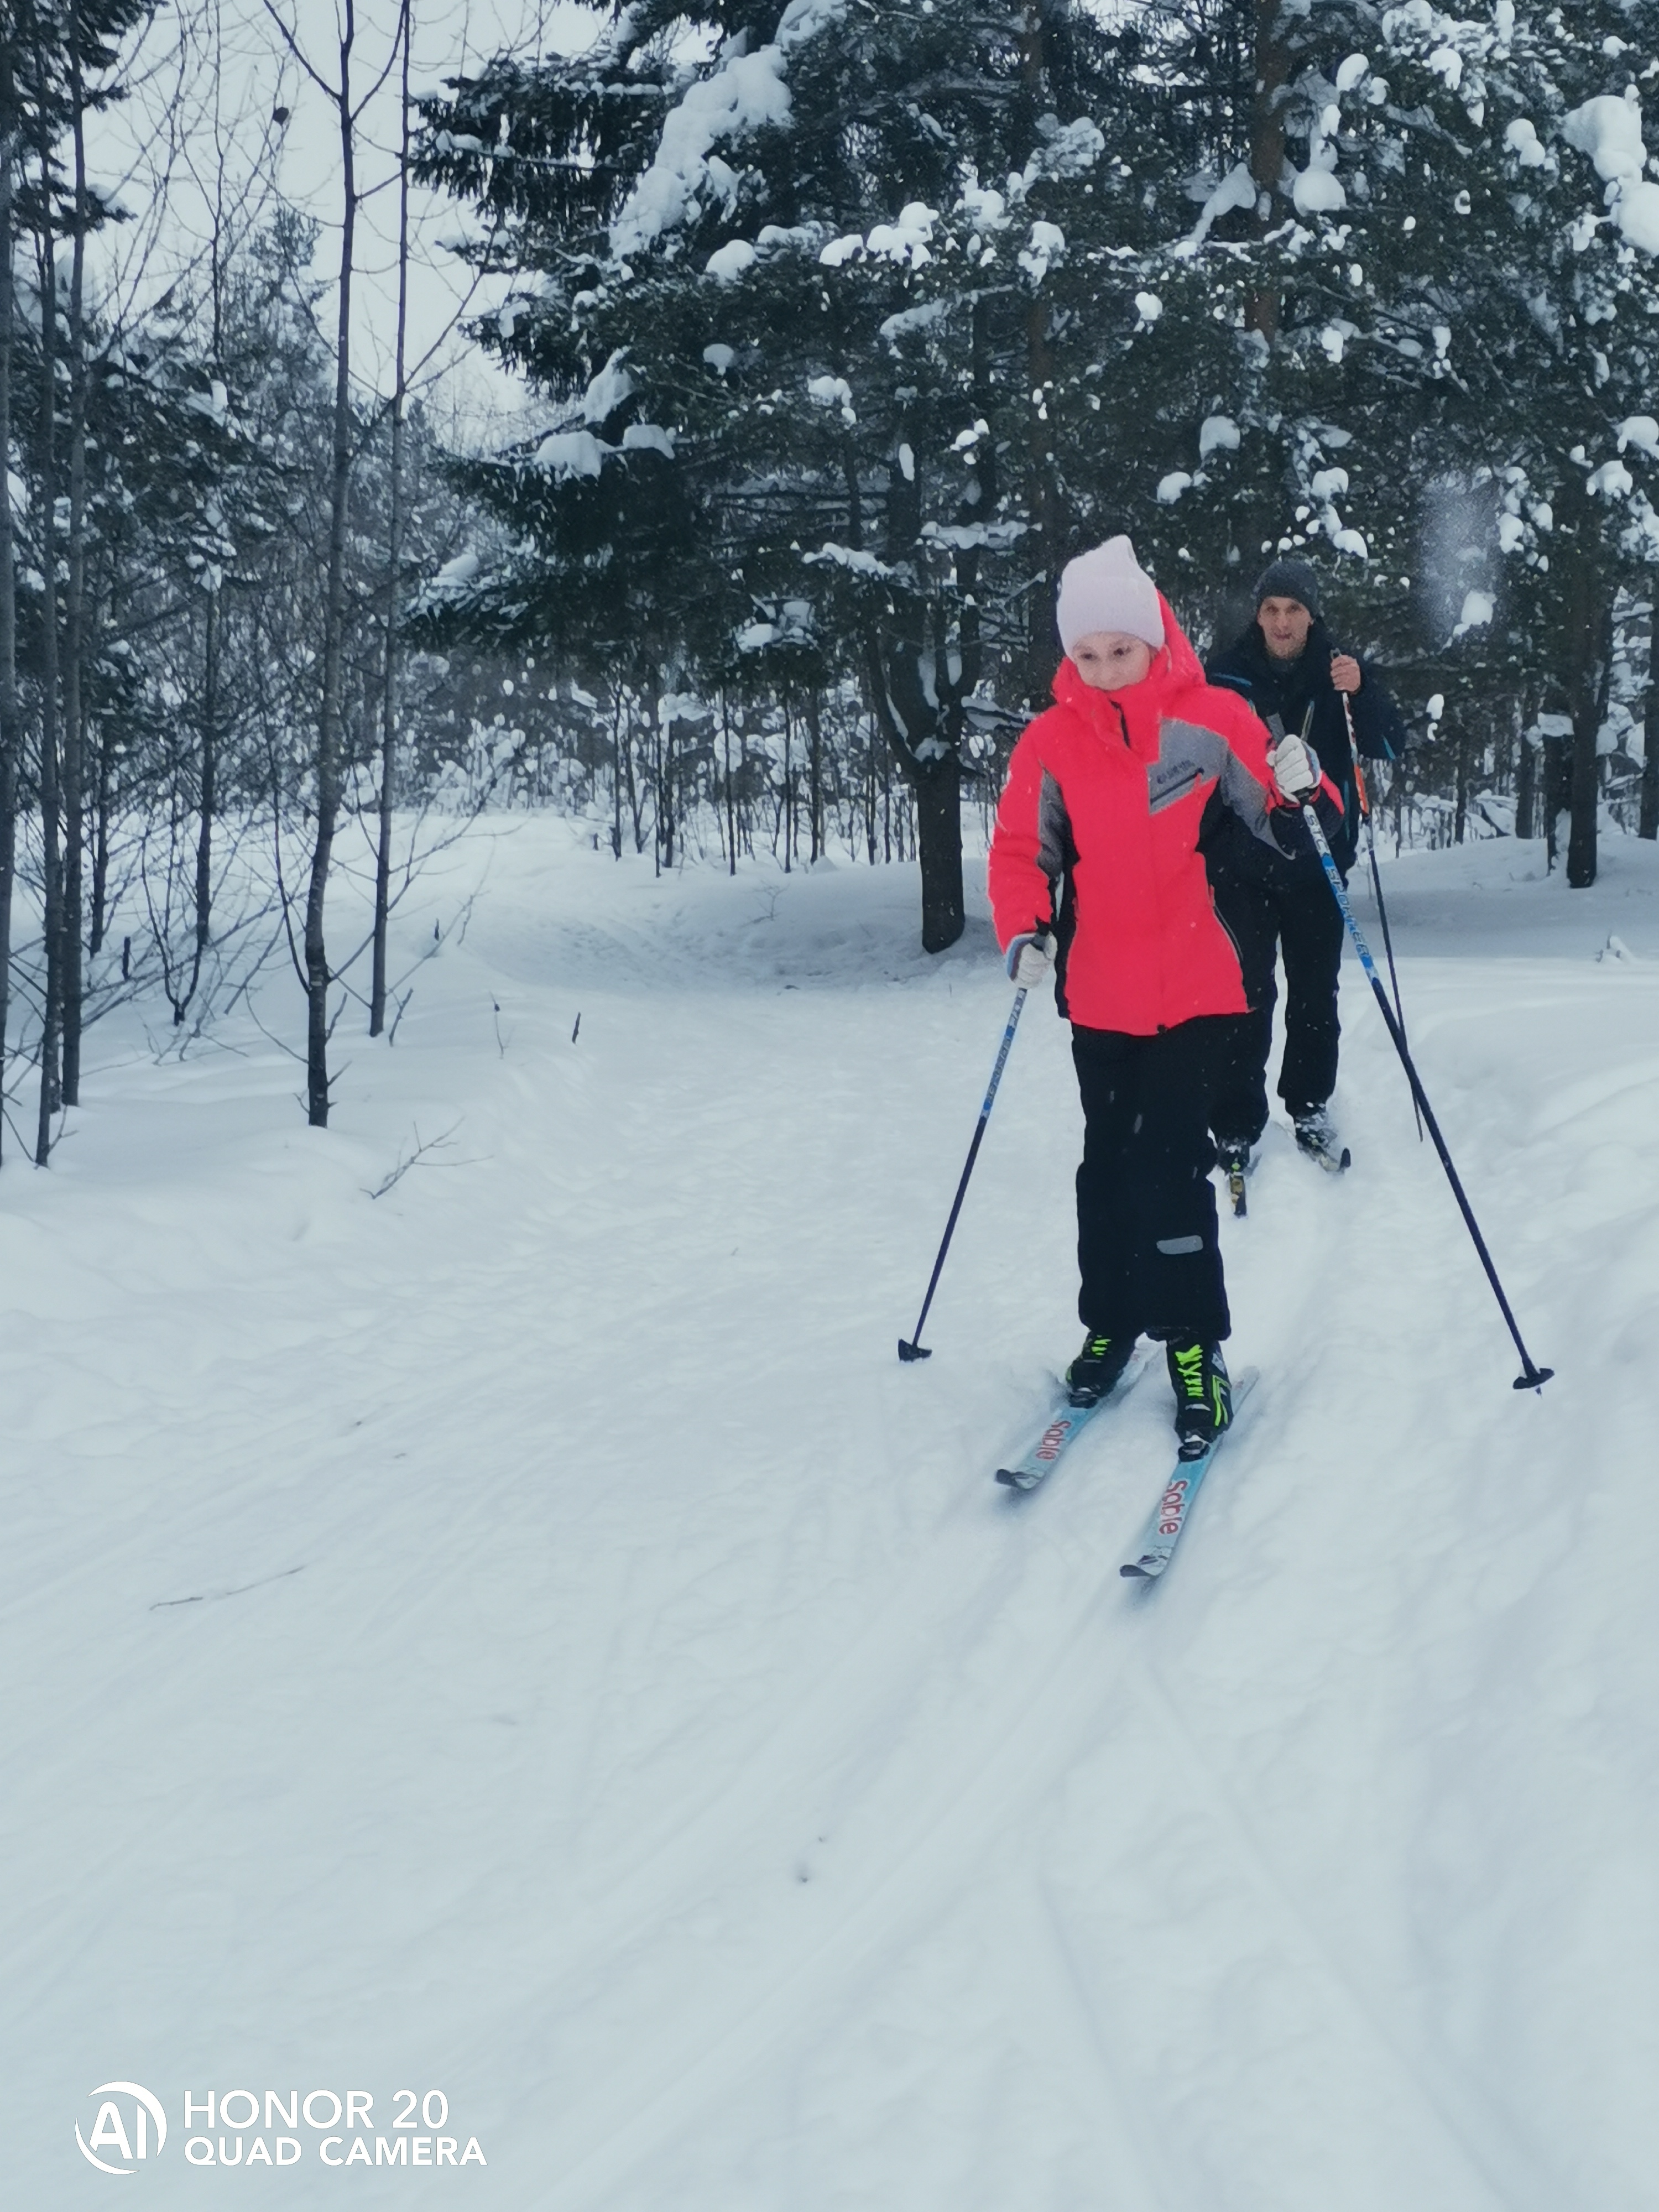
(1288, 579)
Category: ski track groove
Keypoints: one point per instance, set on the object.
(834, 1812)
(1509, 2176)
(1008, 1758)
(1052, 1943)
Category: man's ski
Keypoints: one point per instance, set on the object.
(1169, 1517)
(1068, 1424)
(1235, 1162)
(1334, 1158)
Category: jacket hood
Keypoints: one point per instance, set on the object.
(1175, 667)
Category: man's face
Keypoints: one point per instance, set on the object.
(1111, 660)
(1284, 625)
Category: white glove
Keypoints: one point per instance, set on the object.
(1030, 958)
(1295, 769)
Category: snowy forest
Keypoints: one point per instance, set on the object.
(834, 328)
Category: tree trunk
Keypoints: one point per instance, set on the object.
(938, 829)
(1047, 507)
(1557, 795)
(815, 767)
(330, 721)
(668, 798)
(1649, 817)
(394, 562)
(207, 802)
(871, 788)
(74, 604)
(1461, 805)
(1526, 787)
(51, 1010)
(1587, 661)
(615, 771)
(788, 790)
(731, 794)
(635, 795)
(11, 733)
(104, 806)
(1585, 804)
(653, 698)
(1273, 70)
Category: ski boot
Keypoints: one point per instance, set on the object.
(1098, 1368)
(1233, 1154)
(1204, 1395)
(1315, 1135)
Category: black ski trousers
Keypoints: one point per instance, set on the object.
(1298, 915)
(1146, 1243)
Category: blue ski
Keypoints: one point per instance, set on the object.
(1066, 1424)
(1169, 1517)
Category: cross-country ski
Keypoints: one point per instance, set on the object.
(1168, 1518)
(1062, 1429)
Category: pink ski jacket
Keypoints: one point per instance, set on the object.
(1106, 795)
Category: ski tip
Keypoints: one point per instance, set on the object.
(1006, 1475)
(909, 1351)
(1137, 1573)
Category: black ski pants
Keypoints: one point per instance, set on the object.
(1299, 915)
(1146, 1242)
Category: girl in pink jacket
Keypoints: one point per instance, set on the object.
(1096, 869)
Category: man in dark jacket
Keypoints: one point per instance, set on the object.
(1286, 665)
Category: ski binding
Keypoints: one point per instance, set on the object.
(1066, 1425)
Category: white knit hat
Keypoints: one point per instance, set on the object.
(1106, 589)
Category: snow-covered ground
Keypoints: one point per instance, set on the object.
(526, 1637)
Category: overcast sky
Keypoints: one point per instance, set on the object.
(188, 122)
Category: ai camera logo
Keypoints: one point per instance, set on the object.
(120, 2132)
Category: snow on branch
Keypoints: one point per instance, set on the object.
(1609, 129)
(743, 94)
(1237, 189)
(851, 557)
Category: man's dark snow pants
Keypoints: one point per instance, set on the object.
(1145, 1213)
(1299, 914)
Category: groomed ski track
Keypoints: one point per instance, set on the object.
(527, 1634)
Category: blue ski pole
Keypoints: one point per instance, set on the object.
(1532, 1377)
(914, 1349)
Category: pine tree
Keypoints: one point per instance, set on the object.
(798, 321)
(1467, 294)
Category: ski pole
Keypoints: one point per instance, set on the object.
(914, 1349)
(1377, 880)
(1532, 1377)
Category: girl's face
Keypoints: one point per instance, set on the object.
(1111, 660)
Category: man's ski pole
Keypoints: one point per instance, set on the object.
(1532, 1377)
(1377, 880)
(914, 1349)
